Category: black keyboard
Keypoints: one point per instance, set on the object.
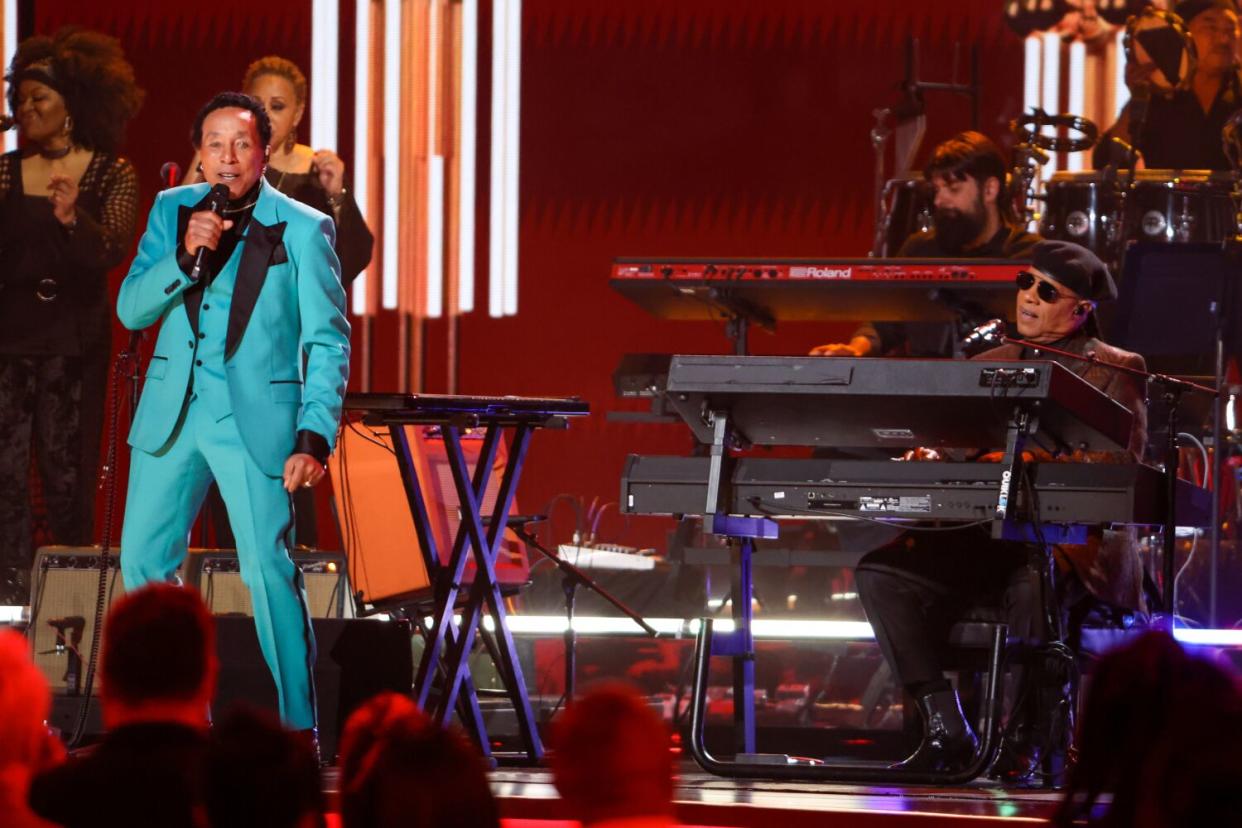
(894, 403)
(434, 407)
(1068, 493)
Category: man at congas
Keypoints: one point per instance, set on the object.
(973, 219)
(1181, 127)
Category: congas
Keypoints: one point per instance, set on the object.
(908, 207)
(1179, 206)
(1082, 208)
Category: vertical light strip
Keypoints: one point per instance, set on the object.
(434, 307)
(1121, 92)
(1077, 95)
(392, 149)
(496, 206)
(362, 128)
(10, 46)
(466, 137)
(513, 109)
(1031, 77)
(1051, 98)
(325, 59)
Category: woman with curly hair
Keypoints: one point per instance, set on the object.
(68, 206)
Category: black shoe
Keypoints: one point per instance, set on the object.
(310, 737)
(1018, 759)
(948, 743)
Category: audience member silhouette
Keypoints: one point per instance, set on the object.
(611, 761)
(1160, 733)
(26, 747)
(260, 775)
(157, 673)
(400, 770)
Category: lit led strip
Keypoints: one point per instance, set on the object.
(1077, 95)
(325, 33)
(761, 628)
(392, 143)
(513, 109)
(362, 129)
(434, 264)
(466, 139)
(10, 47)
(1033, 60)
(506, 108)
(1051, 86)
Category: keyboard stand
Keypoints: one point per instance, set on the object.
(444, 666)
(738, 645)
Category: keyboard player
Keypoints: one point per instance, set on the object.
(973, 219)
(914, 588)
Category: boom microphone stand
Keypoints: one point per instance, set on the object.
(573, 578)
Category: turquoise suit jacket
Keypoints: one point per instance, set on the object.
(287, 300)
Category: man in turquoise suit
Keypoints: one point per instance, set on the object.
(246, 383)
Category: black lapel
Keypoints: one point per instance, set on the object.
(257, 249)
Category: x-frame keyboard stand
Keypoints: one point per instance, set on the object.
(444, 665)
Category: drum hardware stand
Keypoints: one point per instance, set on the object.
(910, 114)
(1034, 146)
(572, 578)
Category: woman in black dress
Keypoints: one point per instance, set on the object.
(68, 206)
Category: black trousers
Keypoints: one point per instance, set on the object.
(915, 588)
(40, 409)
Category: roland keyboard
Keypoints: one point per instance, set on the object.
(819, 289)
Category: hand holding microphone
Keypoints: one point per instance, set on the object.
(203, 231)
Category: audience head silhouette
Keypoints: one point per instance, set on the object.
(611, 757)
(401, 770)
(159, 657)
(1160, 733)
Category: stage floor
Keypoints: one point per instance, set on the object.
(528, 799)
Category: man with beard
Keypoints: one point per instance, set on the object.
(973, 220)
(1182, 130)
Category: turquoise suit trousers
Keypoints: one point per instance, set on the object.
(165, 492)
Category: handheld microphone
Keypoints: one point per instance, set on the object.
(7, 122)
(989, 331)
(169, 173)
(216, 199)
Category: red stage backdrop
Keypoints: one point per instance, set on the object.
(701, 127)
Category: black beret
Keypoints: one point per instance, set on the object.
(1076, 267)
(1188, 10)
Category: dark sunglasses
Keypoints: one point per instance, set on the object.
(1046, 291)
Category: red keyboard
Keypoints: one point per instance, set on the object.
(820, 289)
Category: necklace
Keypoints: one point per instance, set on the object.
(240, 209)
(56, 154)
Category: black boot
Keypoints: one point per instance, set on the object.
(310, 738)
(948, 743)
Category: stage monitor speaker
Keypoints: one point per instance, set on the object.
(217, 576)
(63, 593)
(386, 564)
(355, 659)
